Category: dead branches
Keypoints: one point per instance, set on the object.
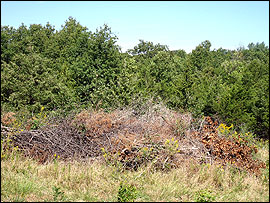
(132, 140)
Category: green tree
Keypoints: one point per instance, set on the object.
(201, 56)
(7, 43)
(29, 81)
(147, 49)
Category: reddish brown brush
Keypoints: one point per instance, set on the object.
(226, 151)
(8, 118)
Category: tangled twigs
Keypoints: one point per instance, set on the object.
(63, 140)
(6, 130)
(162, 139)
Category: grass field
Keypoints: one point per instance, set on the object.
(24, 179)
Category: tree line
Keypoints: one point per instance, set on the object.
(44, 67)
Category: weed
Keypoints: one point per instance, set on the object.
(39, 120)
(126, 193)
(243, 137)
(58, 194)
(172, 146)
(112, 159)
(56, 158)
(204, 196)
(224, 129)
(8, 150)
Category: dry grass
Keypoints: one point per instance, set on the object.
(23, 179)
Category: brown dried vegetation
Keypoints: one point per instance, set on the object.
(8, 118)
(229, 151)
(133, 140)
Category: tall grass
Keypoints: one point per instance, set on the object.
(24, 179)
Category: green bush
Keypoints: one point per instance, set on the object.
(30, 81)
(126, 193)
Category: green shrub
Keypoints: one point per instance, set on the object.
(204, 196)
(126, 193)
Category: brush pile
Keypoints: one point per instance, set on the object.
(156, 136)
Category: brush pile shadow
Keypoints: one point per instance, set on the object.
(162, 137)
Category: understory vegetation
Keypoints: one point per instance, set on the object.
(82, 121)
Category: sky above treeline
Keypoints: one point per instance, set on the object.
(177, 24)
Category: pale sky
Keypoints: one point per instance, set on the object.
(177, 24)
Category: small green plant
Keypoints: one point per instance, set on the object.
(148, 153)
(56, 158)
(204, 196)
(39, 120)
(112, 159)
(8, 150)
(126, 193)
(224, 129)
(172, 146)
(5, 146)
(242, 137)
(57, 194)
(105, 153)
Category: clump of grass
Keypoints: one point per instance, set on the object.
(58, 194)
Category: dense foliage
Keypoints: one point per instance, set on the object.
(73, 66)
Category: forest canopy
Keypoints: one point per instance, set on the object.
(43, 67)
